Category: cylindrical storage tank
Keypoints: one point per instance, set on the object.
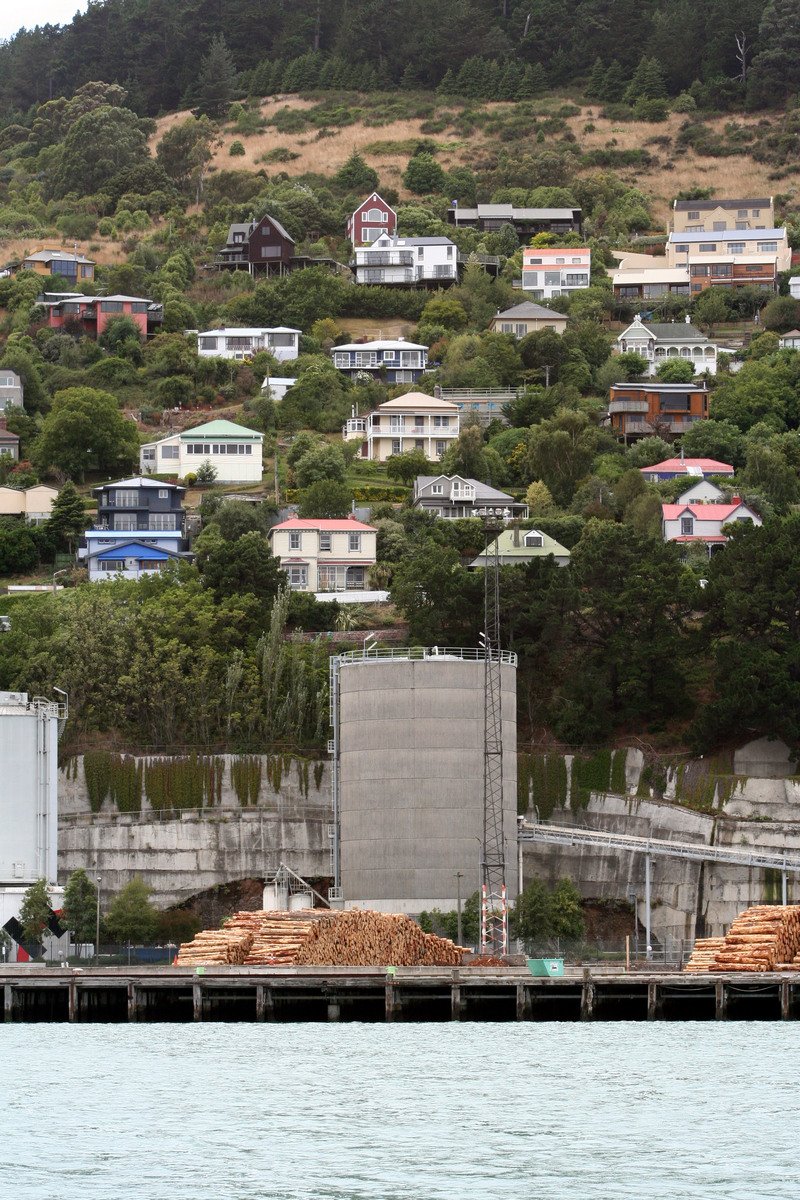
(411, 756)
(300, 900)
(274, 898)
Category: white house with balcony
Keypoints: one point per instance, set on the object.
(454, 497)
(410, 422)
(704, 522)
(235, 453)
(407, 260)
(550, 271)
(325, 555)
(395, 361)
(282, 342)
(657, 342)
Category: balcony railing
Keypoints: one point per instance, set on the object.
(628, 406)
(388, 258)
(371, 275)
(425, 654)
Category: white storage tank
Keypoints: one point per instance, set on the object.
(410, 735)
(29, 732)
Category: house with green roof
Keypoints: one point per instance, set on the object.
(235, 453)
(518, 546)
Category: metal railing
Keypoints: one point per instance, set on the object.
(426, 654)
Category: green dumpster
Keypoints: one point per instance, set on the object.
(550, 967)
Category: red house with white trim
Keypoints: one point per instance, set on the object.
(705, 523)
(370, 220)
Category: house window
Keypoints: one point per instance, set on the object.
(552, 279)
(375, 214)
(125, 522)
(162, 521)
(449, 251)
(325, 541)
(742, 212)
(86, 272)
(718, 226)
(139, 306)
(298, 578)
(521, 330)
(163, 493)
(756, 212)
(736, 247)
(397, 447)
(354, 542)
(281, 339)
(711, 248)
(694, 216)
(534, 539)
(170, 451)
(681, 248)
(441, 422)
(148, 454)
(687, 526)
(436, 489)
(122, 498)
(767, 247)
(111, 306)
(419, 444)
(294, 541)
(404, 376)
(341, 360)
(575, 280)
(208, 343)
(440, 448)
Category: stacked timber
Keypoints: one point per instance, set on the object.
(704, 954)
(320, 937)
(762, 938)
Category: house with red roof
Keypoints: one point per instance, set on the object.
(671, 468)
(325, 555)
(708, 523)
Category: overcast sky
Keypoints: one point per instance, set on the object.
(36, 12)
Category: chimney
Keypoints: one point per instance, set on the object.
(3, 422)
(517, 540)
(683, 460)
(437, 391)
(736, 499)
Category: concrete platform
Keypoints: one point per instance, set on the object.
(177, 994)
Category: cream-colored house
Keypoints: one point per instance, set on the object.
(325, 555)
(745, 244)
(411, 422)
(34, 503)
(527, 318)
(235, 453)
(712, 216)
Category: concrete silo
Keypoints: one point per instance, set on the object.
(408, 778)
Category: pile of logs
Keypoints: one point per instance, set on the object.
(319, 937)
(765, 937)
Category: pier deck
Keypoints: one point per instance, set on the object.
(117, 994)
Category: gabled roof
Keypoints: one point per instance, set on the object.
(49, 255)
(396, 344)
(132, 550)
(507, 549)
(702, 512)
(530, 311)
(221, 429)
(411, 241)
(793, 333)
(666, 331)
(482, 490)
(246, 331)
(418, 400)
(137, 481)
(326, 525)
(710, 205)
(690, 466)
(374, 198)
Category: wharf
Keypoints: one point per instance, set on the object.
(121, 994)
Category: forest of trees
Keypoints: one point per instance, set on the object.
(154, 47)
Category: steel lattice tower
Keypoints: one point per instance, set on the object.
(494, 904)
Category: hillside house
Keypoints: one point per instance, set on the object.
(750, 245)
(526, 222)
(281, 341)
(548, 271)
(395, 361)
(324, 555)
(650, 282)
(410, 422)
(527, 318)
(235, 452)
(410, 261)
(708, 523)
(519, 546)
(260, 247)
(139, 528)
(794, 287)
(672, 468)
(33, 504)
(9, 442)
(11, 390)
(276, 386)
(658, 341)
(732, 270)
(717, 216)
(455, 498)
(787, 341)
(372, 218)
(89, 315)
(65, 263)
(702, 492)
(641, 409)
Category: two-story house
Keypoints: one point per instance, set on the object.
(657, 342)
(550, 271)
(651, 281)
(372, 218)
(527, 318)
(393, 361)
(410, 422)
(708, 523)
(235, 453)
(11, 390)
(281, 341)
(642, 409)
(412, 261)
(716, 216)
(455, 498)
(90, 315)
(526, 222)
(66, 264)
(260, 247)
(673, 468)
(324, 555)
(742, 246)
(139, 528)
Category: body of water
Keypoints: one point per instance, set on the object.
(393, 1112)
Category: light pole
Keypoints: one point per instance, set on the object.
(97, 926)
(459, 935)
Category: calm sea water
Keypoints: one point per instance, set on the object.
(429, 1112)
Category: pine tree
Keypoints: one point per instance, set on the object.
(613, 84)
(534, 82)
(67, 517)
(261, 79)
(409, 80)
(653, 86)
(775, 71)
(216, 82)
(80, 906)
(327, 75)
(490, 83)
(470, 81)
(596, 81)
(638, 81)
(447, 86)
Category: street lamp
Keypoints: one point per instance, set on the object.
(97, 926)
(459, 877)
